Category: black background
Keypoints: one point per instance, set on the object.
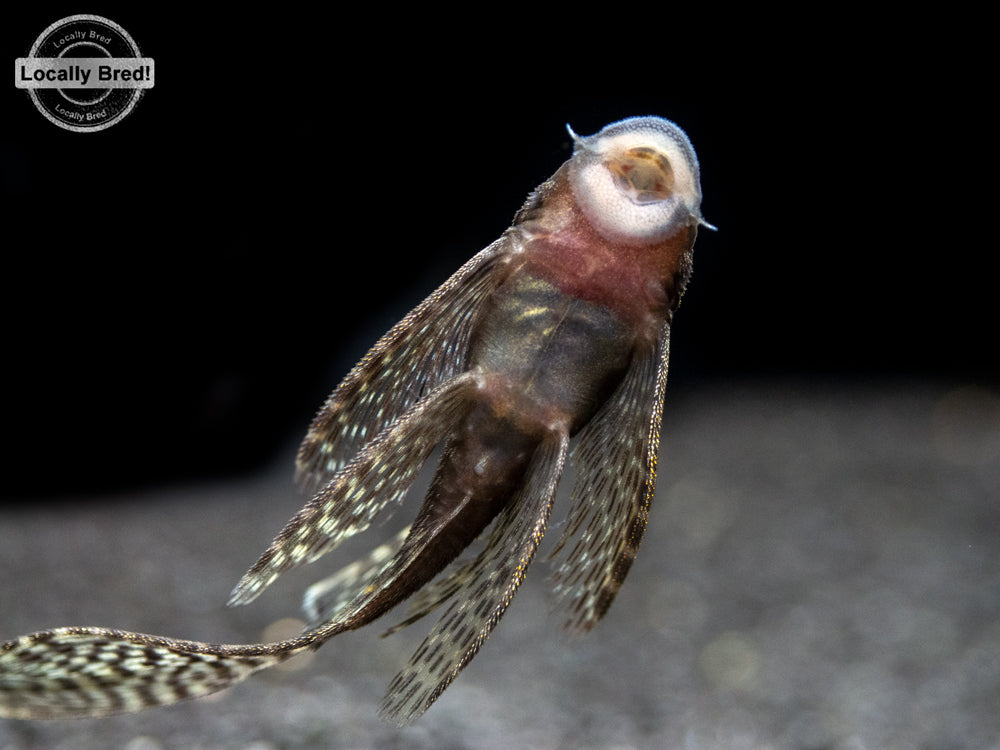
(181, 291)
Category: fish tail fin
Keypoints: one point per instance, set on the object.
(78, 672)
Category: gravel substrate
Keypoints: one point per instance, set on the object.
(821, 570)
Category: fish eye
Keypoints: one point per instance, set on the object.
(643, 174)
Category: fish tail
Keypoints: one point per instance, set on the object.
(76, 672)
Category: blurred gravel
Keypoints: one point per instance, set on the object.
(820, 571)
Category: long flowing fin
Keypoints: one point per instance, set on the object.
(90, 672)
(477, 608)
(378, 476)
(616, 477)
(425, 349)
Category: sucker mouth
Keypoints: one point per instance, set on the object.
(643, 174)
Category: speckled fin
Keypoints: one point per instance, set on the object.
(476, 609)
(378, 476)
(616, 475)
(326, 599)
(425, 349)
(91, 672)
(436, 593)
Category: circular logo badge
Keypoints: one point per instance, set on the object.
(84, 73)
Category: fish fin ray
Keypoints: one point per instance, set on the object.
(616, 476)
(494, 577)
(377, 477)
(425, 349)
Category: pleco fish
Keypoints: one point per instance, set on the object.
(558, 329)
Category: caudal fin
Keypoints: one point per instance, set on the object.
(91, 672)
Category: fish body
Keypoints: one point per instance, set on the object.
(558, 330)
